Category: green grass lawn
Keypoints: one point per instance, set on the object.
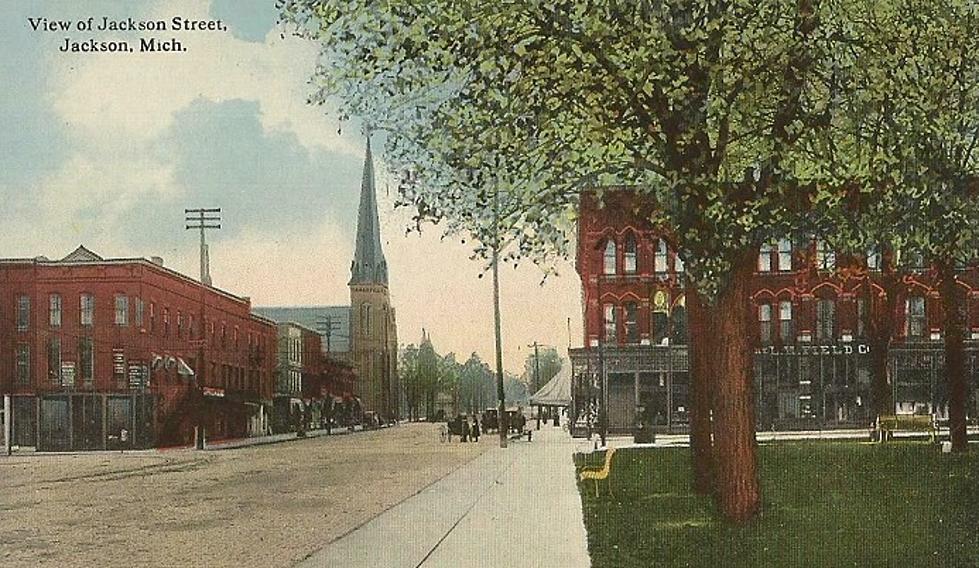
(825, 504)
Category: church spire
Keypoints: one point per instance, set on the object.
(369, 266)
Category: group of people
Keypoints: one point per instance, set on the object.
(468, 432)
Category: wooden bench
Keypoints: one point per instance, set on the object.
(887, 424)
(603, 472)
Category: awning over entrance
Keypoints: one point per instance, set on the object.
(557, 391)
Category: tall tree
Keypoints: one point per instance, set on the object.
(541, 367)
(904, 140)
(698, 106)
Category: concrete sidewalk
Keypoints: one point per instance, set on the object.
(515, 507)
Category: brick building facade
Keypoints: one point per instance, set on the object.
(809, 314)
(106, 353)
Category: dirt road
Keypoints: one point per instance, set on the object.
(258, 506)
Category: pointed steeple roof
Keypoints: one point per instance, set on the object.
(369, 266)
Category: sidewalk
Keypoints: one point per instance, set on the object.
(516, 507)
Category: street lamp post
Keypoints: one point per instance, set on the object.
(602, 379)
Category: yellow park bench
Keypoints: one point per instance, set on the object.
(887, 424)
(603, 472)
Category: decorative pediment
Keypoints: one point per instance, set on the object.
(82, 254)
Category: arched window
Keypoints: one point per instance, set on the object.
(365, 319)
(660, 260)
(629, 255)
(609, 264)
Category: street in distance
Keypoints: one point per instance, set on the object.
(145, 45)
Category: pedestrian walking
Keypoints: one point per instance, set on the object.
(474, 432)
(465, 429)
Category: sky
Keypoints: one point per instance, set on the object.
(108, 149)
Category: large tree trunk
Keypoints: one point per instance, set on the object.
(735, 448)
(880, 331)
(952, 304)
(700, 349)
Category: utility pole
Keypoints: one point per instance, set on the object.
(504, 425)
(202, 220)
(326, 326)
(537, 379)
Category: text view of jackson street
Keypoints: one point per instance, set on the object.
(399, 284)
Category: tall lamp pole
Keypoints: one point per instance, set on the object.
(202, 219)
(503, 422)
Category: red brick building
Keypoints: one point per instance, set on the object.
(119, 353)
(810, 314)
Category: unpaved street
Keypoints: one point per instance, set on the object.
(259, 506)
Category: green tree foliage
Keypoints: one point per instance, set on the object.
(699, 106)
(550, 363)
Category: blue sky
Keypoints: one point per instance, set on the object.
(107, 150)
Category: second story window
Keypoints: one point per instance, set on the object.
(765, 258)
(678, 263)
(608, 259)
(629, 255)
(785, 330)
(86, 360)
(23, 312)
(54, 310)
(610, 324)
(825, 319)
(785, 255)
(916, 317)
(765, 323)
(139, 311)
(631, 322)
(679, 323)
(873, 258)
(166, 322)
(87, 309)
(825, 257)
(122, 309)
(23, 363)
(660, 260)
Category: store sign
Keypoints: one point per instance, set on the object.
(138, 376)
(846, 349)
(67, 373)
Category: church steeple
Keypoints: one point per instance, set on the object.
(369, 266)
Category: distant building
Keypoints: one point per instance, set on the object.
(125, 353)
(365, 334)
(299, 365)
(810, 328)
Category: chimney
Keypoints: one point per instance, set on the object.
(157, 260)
